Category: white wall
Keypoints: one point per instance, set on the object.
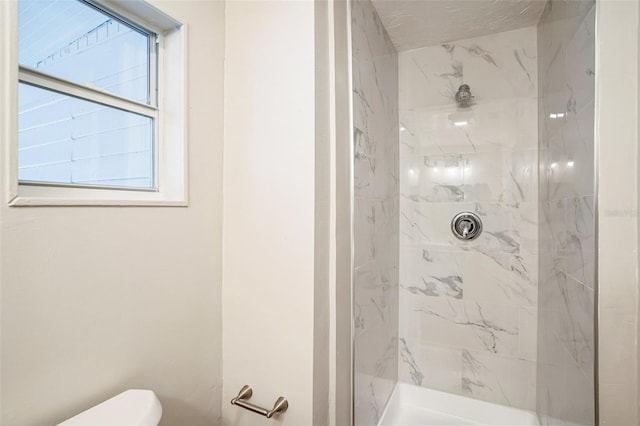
(617, 150)
(269, 167)
(97, 300)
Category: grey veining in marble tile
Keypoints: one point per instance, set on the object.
(479, 326)
(460, 297)
(503, 380)
(376, 213)
(432, 273)
(501, 278)
(580, 244)
(407, 358)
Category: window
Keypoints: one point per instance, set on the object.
(100, 104)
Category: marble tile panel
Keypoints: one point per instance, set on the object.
(500, 228)
(364, 231)
(432, 272)
(553, 37)
(370, 398)
(466, 324)
(431, 366)
(529, 228)
(430, 223)
(503, 380)
(555, 213)
(551, 291)
(500, 124)
(433, 178)
(573, 312)
(578, 397)
(499, 278)
(386, 234)
(364, 166)
(375, 319)
(372, 300)
(523, 176)
(550, 381)
(375, 230)
(408, 135)
(501, 176)
(562, 169)
(575, 157)
(427, 223)
(550, 370)
(581, 243)
(581, 64)
(546, 259)
(487, 177)
(434, 71)
(376, 211)
(499, 66)
(448, 130)
(550, 350)
(375, 163)
(528, 333)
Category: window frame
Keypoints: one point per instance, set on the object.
(167, 107)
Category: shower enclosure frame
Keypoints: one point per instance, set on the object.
(345, 249)
(344, 373)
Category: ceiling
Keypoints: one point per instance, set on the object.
(419, 23)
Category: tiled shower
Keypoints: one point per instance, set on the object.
(468, 322)
(509, 317)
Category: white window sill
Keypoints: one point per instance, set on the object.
(39, 196)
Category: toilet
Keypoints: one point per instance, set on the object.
(134, 407)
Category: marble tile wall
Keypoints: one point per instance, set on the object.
(566, 63)
(468, 310)
(376, 212)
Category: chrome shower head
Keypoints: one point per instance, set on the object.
(463, 96)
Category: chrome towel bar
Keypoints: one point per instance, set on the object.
(245, 393)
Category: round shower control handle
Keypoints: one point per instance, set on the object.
(466, 226)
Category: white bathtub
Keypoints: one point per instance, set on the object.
(414, 405)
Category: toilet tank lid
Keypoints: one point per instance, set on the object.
(134, 407)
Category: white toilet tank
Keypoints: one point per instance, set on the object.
(134, 407)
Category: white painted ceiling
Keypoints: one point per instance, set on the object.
(420, 23)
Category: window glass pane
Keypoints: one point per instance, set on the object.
(74, 41)
(62, 139)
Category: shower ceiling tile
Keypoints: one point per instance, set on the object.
(412, 24)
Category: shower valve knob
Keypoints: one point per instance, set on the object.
(466, 226)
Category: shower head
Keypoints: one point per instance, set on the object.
(463, 96)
